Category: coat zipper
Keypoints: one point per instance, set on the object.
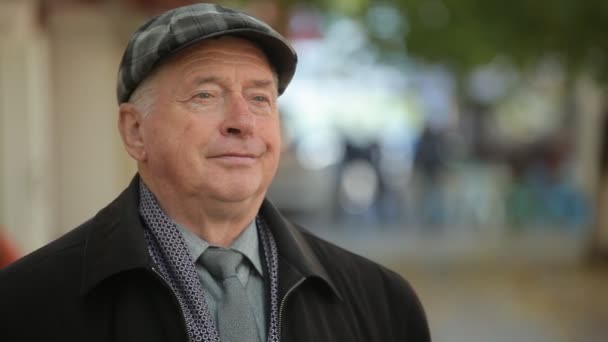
(175, 300)
(282, 305)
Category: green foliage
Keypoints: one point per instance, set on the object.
(474, 31)
(466, 33)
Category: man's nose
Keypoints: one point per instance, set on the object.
(239, 119)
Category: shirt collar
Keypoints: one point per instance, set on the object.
(116, 243)
(246, 243)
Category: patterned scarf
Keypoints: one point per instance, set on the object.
(174, 264)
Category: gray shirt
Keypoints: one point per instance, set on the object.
(249, 272)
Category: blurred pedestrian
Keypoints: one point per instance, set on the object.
(429, 167)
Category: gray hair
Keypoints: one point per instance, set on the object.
(143, 96)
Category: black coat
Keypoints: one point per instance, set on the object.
(96, 284)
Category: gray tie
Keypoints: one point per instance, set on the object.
(235, 319)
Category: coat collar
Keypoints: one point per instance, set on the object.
(296, 257)
(116, 243)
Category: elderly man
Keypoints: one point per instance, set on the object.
(191, 250)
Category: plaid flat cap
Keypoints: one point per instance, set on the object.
(163, 35)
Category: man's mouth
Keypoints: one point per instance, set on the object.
(236, 158)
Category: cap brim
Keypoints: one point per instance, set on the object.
(279, 53)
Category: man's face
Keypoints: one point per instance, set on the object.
(213, 129)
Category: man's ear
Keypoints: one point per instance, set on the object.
(130, 128)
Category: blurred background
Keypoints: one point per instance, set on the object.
(463, 143)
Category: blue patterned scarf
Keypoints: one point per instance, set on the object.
(174, 264)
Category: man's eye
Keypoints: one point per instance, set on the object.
(203, 95)
(260, 98)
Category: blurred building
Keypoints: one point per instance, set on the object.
(61, 155)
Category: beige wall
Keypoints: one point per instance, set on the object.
(25, 131)
(85, 54)
(61, 157)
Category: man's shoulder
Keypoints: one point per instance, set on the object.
(387, 298)
(62, 259)
(47, 282)
(347, 266)
(44, 265)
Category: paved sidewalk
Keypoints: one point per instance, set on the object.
(528, 288)
(495, 304)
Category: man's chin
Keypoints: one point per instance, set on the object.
(238, 194)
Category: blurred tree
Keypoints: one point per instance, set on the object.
(466, 34)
